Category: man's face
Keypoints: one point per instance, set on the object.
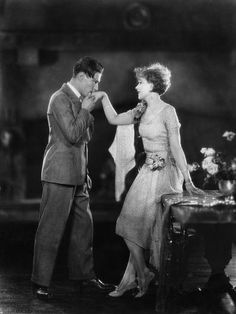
(88, 84)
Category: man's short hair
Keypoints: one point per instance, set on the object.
(87, 65)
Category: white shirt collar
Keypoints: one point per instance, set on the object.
(74, 90)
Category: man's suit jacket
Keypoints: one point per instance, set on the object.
(70, 128)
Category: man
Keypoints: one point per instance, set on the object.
(66, 182)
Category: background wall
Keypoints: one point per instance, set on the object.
(41, 40)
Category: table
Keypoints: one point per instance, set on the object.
(180, 212)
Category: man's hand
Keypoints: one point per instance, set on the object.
(88, 103)
(90, 100)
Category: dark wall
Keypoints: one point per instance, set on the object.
(202, 91)
(40, 41)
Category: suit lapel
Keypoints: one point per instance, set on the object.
(76, 102)
(76, 106)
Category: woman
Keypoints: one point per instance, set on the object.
(163, 172)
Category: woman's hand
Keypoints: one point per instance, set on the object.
(98, 95)
(192, 189)
(90, 100)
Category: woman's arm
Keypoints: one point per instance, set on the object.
(179, 156)
(172, 125)
(112, 116)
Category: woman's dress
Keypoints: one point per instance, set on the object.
(141, 214)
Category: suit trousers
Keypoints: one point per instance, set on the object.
(59, 203)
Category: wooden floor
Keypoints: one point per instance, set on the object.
(16, 247)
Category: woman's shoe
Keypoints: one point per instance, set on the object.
(119, 291)
(144, 284)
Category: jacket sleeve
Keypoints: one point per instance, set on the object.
(73, 127)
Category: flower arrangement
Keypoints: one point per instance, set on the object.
(139, 110)
(217, 165)
(155, 162)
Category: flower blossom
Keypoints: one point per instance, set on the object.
(229, 135)
(208, 151)
(155, 162)
(139, 110)
(193, 167)
(218, 165)
(212, 169)
(233, 164)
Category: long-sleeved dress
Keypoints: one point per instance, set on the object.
(141, 214)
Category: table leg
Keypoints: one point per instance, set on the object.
(173, 264)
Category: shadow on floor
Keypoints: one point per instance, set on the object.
(16, 248)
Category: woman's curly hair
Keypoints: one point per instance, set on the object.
(157, 74)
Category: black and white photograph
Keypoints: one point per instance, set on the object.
(117, 157)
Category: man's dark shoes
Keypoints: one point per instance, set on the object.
(41, 292)
(218, 283)
(97, 283)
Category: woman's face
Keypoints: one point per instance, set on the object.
(143, 88)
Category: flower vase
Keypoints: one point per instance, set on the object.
(227, 188)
